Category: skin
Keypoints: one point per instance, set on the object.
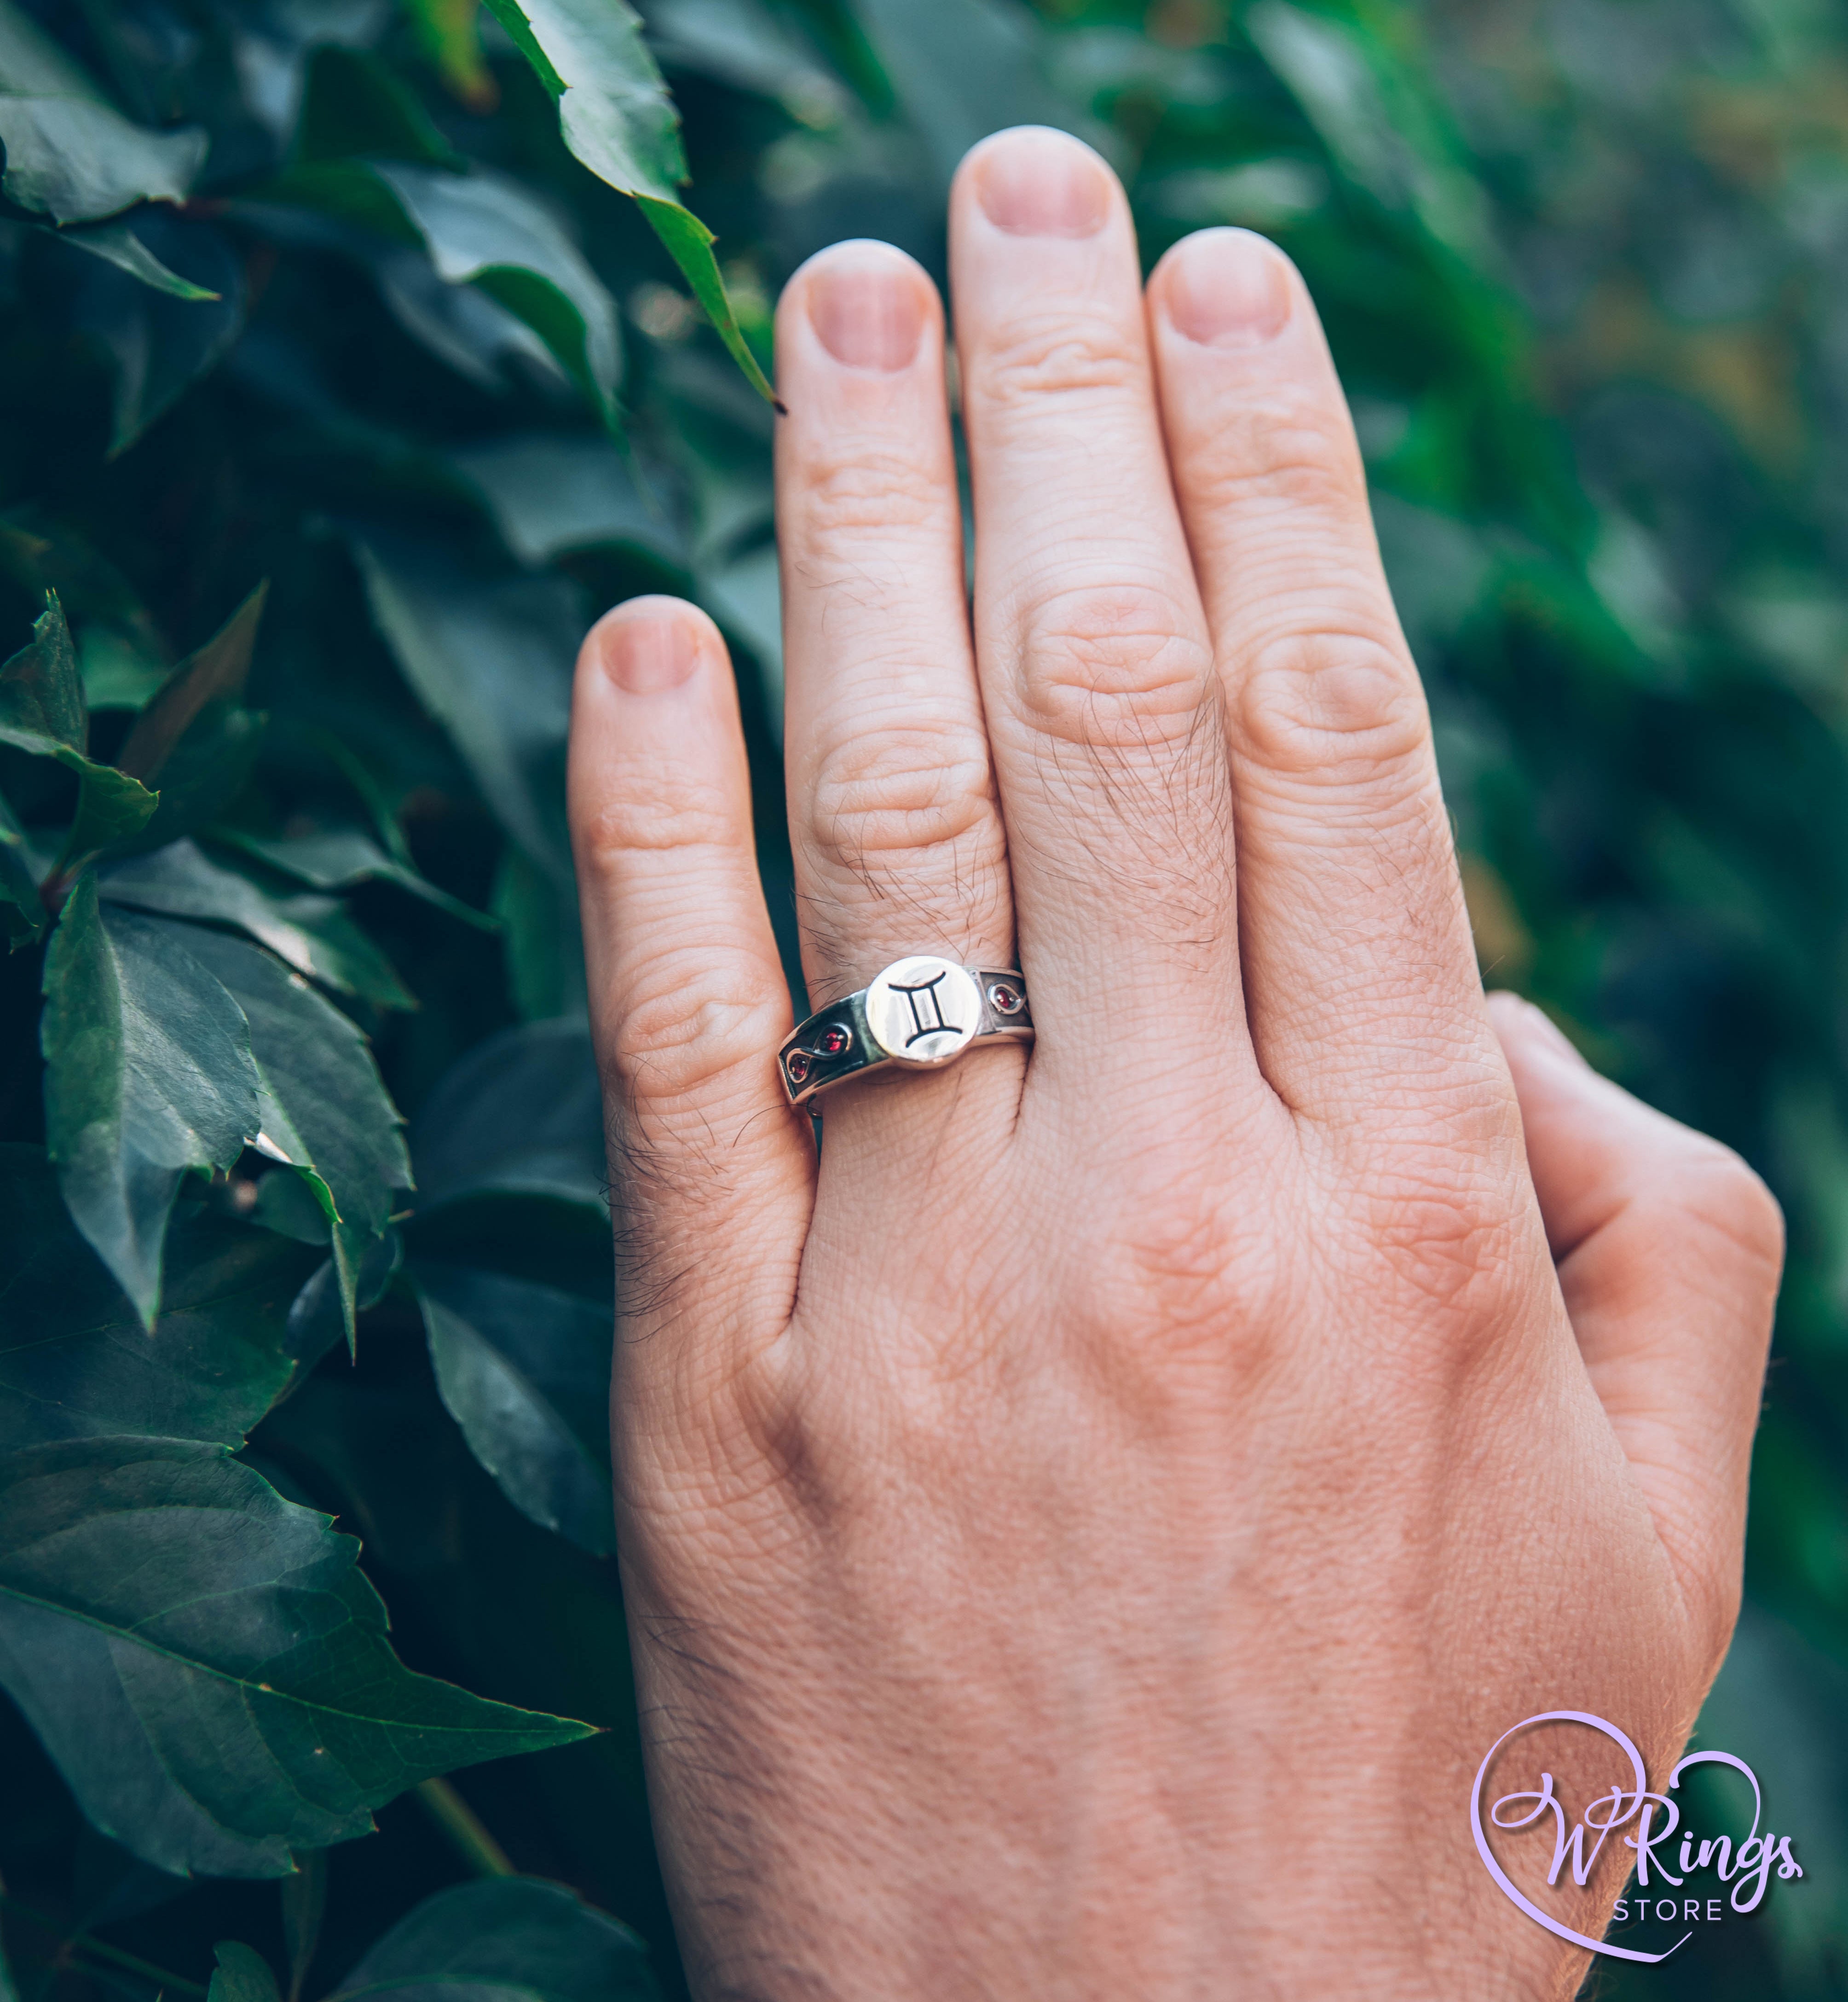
(1082, 1528)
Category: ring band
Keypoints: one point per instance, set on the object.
(919, 1014)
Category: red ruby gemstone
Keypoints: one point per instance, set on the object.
(1006, 999)
(834, 1041)
(795, 1063)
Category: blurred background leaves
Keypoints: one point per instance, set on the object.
(402, 305)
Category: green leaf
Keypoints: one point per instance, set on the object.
(520, 1114)
(525, 1370)
(476, 335)
(491, 661)
(325, 1109)
(345, 206)
(341, 860)
(481, 229)
(205, 1664)
(112, 810)
(74, 1358)
(69, 152)
(616, 115)
(504, 1939)
(336, 859)
(78, 161)
(195, 736)
(547, 494)
(148, 1072)
(161, 339)
(242, 1975)
(111, 807)
(613, 107)
(316, 935)
(542, 939)
(213, 676)
(355, 105)
(304, 1906)
(210, 767)
(485, 227)
(42, 712)
(286, 1203)
(117, 672)
(320, 1317)
(689, 243)
(117, 243)
(41, 692)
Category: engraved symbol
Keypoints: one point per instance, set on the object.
(926, 1009)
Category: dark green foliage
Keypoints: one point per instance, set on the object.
(524, 1369)
(147, 1073)
(42, 713)
(515, 1938)
(75, 1360)
(205, 1663)
(407, 307)
(241, 1975)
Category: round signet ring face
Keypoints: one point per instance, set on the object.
(924, 1012)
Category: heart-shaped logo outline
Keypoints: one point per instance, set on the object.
(1639, 1793)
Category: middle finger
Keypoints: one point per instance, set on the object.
(1096, 669)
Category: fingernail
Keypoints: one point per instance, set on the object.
(866, 306)
(1552, 1033)
(1227, 288)
(644, 652)
(1035, 183)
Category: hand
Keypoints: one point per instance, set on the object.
(1081, 1533)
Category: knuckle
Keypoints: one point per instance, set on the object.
(676, 812)
(1714, 1188)
(1332, 704)
(684, 1025)
(892, 795)
(844, 501)
(1284, 455)
(1115, 664)
(1057, 354)
(1444, 1244)
(1172, 1263)
(1175, 1270)
(1442, 1201)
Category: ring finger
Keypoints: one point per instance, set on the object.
(898, 845)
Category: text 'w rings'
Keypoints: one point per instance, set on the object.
(919, 1014)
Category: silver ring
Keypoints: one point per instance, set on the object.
(919, 1014)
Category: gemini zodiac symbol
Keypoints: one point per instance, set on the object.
(926, 1009)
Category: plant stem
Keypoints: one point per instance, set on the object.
(101, 1950)
(464, 1828)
